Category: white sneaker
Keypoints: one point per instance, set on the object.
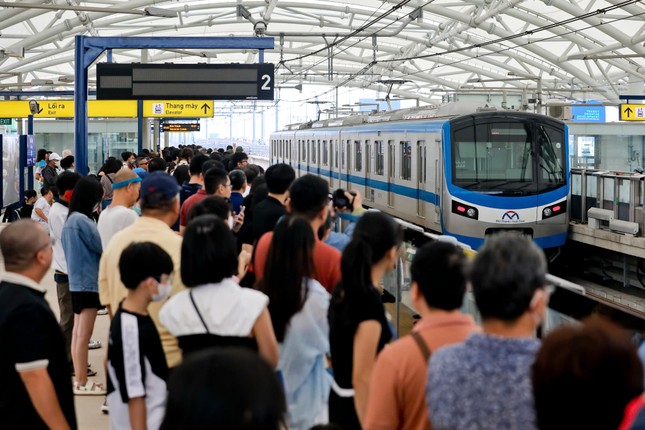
(94, 344)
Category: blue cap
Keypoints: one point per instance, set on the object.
(159, 187)
(140, 172)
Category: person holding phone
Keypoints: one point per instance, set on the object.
(238, 187)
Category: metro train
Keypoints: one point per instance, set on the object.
(464, 175)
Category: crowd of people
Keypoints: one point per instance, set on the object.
(234, 305)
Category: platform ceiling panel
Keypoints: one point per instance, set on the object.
(574, 50)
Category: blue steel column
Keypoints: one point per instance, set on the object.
(80, 108)
(30, 170)
(88, 49)
(139, 126)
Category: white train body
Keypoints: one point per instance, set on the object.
(466, 176)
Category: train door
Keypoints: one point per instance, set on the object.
(324, 160)
(348, 165)
(335, 165)
(421, 178)
(369, 165)
(438, 180)
(391, 173)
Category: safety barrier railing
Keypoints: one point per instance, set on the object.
(397, 282)
(620, 192)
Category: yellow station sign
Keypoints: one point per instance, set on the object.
(632, 112)
(178, 108)
(109, 109)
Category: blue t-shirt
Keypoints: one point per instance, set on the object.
(483, 383)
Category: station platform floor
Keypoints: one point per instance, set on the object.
(88, 408)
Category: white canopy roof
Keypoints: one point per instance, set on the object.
(425, 49)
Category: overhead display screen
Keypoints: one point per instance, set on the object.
(186, 81)
(180, 126)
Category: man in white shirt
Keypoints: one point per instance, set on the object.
(120, 214)
(42, 207)
(65, 183)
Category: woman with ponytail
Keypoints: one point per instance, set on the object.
(298, 306)
(357, 322)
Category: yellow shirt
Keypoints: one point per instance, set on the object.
(112, 291)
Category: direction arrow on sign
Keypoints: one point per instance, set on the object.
(178, 109)
(632, 112)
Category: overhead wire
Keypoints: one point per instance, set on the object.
(508, 48)
(524, 33)
(353, 33)
(355, 74)
(499, 41)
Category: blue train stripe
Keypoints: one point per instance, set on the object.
(552, 241)
(401, 190)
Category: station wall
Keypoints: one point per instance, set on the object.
(608, 146)
(106, 138)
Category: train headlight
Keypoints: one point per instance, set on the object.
(465, 210)
(554, 210)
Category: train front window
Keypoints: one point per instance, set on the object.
(508, 158)
(550, 142)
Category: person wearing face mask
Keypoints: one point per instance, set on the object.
(485, 382)
(137, 368)
(49, 172)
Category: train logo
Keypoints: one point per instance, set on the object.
(510, 217)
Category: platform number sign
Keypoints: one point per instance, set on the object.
(185, 81)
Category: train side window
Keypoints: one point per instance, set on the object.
(391, 158)
(369, 164)
(380, 161)
(313, 151)
(342, 155)
(406, 160)
(336, 154)
(422, 163)
(358, 156)
(325, 153)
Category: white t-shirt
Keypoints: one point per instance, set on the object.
(44, 206)
(57, 217)
(114, 219)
